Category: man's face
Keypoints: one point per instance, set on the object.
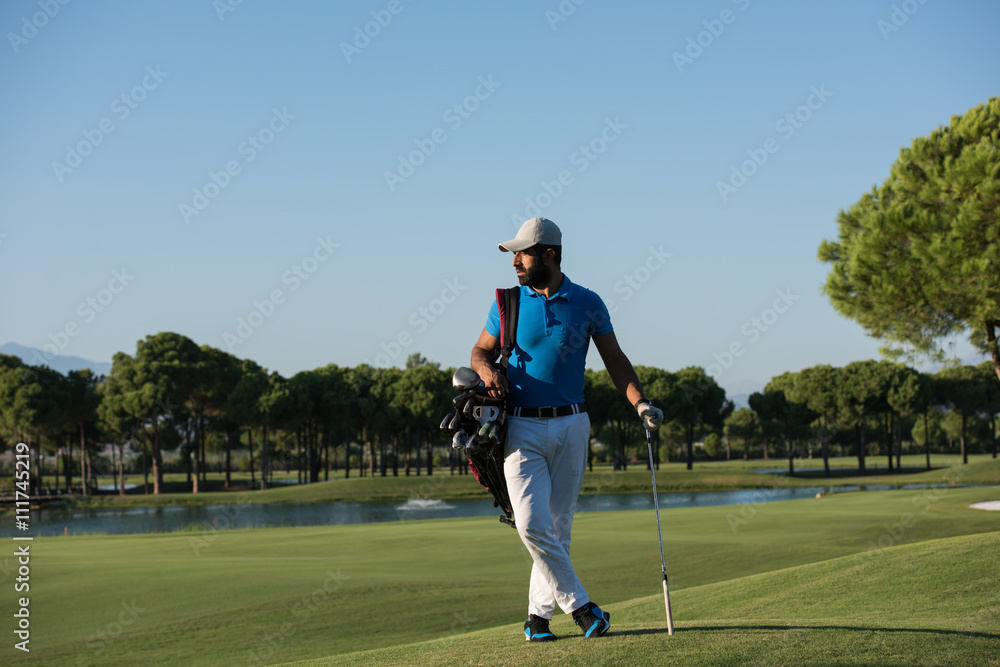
(531, 269)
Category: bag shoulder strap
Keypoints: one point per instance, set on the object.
(508, 303)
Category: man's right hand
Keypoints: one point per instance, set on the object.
(483, 354)
(495, 381)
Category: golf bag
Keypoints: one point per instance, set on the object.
(479, 423)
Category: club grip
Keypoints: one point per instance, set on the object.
(666, 601)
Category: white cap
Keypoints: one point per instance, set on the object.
(537, 231)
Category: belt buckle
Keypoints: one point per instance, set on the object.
(555, 412)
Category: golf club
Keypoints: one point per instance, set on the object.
(465, 379)
(463, 397)
(460, 440)
(446, 422)
(663, 566)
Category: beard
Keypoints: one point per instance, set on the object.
(536, 277)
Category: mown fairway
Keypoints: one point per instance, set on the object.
(932, 603)
(277, 595)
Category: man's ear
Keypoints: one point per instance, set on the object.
(550, 257)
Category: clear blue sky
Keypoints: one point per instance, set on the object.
(309, 129)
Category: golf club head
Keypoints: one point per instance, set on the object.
(467, 410)
(460, 440)
(446, 422)
(465, 379)
(472, 444)
(464, 396)
(456, 422)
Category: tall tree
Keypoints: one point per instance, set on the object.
(991, 389)
(392, 418)
(697, 401)
(226, 371)
(334, 405)
(270, 404)
(744, 426)
(19, 388)
(965, 393)
(243, 405)
(422, 395)
(660, 387)
(861, 397)
(909, 397)
(83, 400)
(817, 388)
(917, 258)
(153, 384)
(365, 410)
(781, 416)
(51, 416)
(605, 406)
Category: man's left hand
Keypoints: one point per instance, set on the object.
(651, 416)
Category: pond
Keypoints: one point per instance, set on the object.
(167, 519)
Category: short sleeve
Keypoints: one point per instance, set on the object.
(600, 319)
(493, 320)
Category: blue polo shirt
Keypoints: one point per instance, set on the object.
(553, 335)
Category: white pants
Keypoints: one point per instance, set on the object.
(544, 463)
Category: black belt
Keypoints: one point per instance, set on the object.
(548, 413)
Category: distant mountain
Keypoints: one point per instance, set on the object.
(63, 364)
(740, 400)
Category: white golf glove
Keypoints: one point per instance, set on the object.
(651, 416)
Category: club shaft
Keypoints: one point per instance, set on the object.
(659, 533)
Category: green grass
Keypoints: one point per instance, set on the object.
(716, 475)
(932, 603)
(283, 594)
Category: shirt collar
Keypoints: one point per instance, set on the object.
(564, 290)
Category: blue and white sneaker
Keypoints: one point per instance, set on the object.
(536, 629)
(593, 620)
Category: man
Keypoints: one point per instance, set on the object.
(548, 428)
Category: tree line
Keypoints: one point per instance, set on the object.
(174, 395)
(868, 402)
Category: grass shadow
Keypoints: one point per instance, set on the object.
(850, 628)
